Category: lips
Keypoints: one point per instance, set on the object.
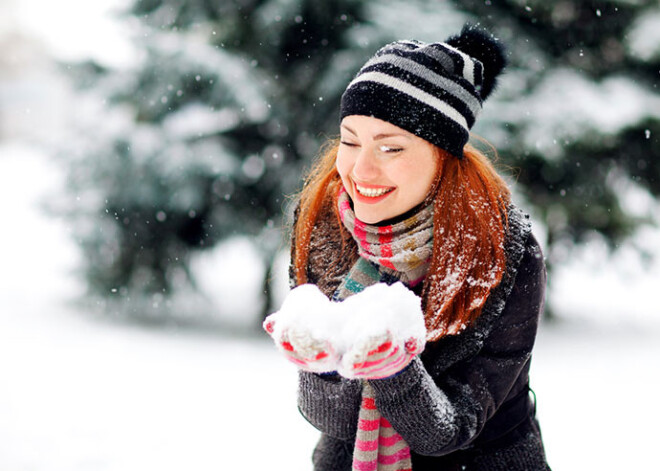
(372, 193)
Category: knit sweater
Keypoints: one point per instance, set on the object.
(464, 403)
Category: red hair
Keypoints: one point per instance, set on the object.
(470, 202)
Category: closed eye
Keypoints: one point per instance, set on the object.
(349, 144)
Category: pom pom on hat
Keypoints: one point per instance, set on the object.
(483, 46)
(432, 90)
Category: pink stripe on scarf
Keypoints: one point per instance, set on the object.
(367, 446)
(385, 239)
(369, 403)
(365, 465)
(368, 425)
(343, 206)
(389, 441)
(361, 235)
(385, 423)
(395, 458)
(386, 263)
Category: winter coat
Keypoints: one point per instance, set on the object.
(464, 403)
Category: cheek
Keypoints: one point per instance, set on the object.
(418, 181)
(343, 164)
(426, 179)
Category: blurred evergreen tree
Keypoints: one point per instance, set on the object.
(579, 114)
(216, 122)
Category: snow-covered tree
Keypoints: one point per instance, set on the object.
(206, 135)
(579, 112)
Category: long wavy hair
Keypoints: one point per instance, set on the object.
(470, 202)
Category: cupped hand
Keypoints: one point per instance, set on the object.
(302, 348)
(378, 357)
(303, 329)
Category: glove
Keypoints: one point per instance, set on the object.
(302, 330)
(384, 333)
(379, 357)
(373, 334)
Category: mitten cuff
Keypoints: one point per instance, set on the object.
(396, 386)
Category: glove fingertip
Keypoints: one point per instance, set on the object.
(321, 355)
(269, 326)
(413, 345)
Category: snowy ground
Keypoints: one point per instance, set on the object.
(80, 394)
(77, 393)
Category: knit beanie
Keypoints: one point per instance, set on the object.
(434, 91)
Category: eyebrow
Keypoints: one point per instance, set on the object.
(380, 135)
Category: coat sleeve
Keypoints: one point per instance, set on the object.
(440, 414)
(330, 403)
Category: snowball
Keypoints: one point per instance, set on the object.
(305, 308)
(381, 309)
(379, 312)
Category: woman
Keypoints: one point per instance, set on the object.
(403, 197)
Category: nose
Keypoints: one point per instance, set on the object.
(366, 166)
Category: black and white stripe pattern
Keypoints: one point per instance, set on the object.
(431, 90)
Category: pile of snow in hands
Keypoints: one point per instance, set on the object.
(347, 329)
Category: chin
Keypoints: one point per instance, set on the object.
(370, 221)
(370, 217)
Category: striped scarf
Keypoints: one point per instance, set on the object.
(378, 447)
(402, 250)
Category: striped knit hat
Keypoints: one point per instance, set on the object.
(434, 91)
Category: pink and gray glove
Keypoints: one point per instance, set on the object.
(301, 330)
(379, 357)
(384, 333)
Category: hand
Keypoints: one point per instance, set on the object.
(373, 334)
(302, 330)
(300, 347)
(379, 357)
(384, 332)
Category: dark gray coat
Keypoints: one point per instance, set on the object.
(464, 404)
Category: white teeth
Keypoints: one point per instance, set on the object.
(372, 192)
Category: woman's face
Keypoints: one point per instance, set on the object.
(385, 169)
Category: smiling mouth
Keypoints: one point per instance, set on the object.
(372, 192)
